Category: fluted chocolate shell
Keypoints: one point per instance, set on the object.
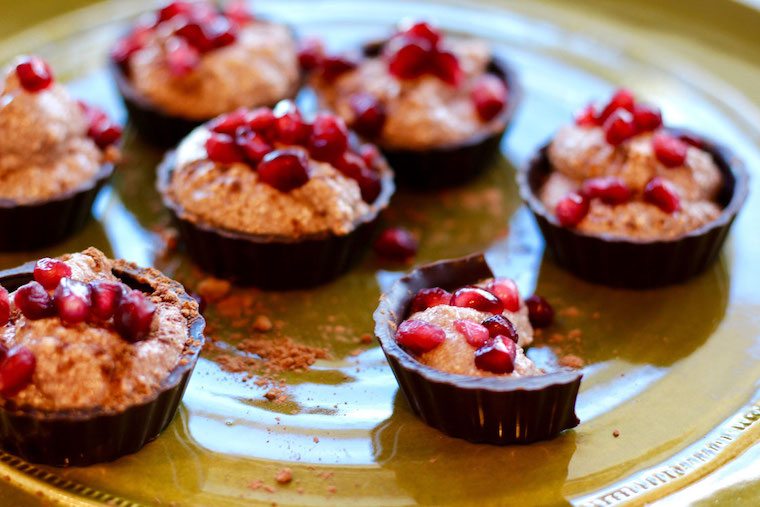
(35, 225)
(493, 410)
(85, 437)
(631, 263)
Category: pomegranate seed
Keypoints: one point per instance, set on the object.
(609, 189)
(423, 30)
(446, 67)
(73, 301)
(540, 312)
(237, 11)
(222, 149)
(285, 170)
(571, 210)
(221, 32)
(263, 122)
(622, 99)
(619, 127)
(647, 118)
(428, 298)
(173, 9)
(478, 299)
(134, 315)
(181, 57)
(106, 296)
(498, 356)
(34, 301)
(34, 74)
(370, 185)
(253, 145)
(49, 272)
(500, 325)
(475, 334)
(310, 53)
(408, 59)
(396, 243)
(104, 133)
(587, 117)
(195, 35)
(692, 140)
(506, 290)
(370, 154)
(419, 337)
(229, 123)
(16, 371)
(3, 352)
(490, 96)
(329, 138)
(5, 307)
(335, 66)
(662, 194)
(292, 129)
(669, 150)
(369, 115)
(129, 45)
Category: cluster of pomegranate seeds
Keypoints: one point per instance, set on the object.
(478, 299)
(540, 312)
(100, 128)
(572, 209)
(490, 96)
(396, 243)
(428, 298)
(500, 294)
(418, 336)
(16, 370)
(609, 189)
(662, 194)
(497, 356)
(311, 51)
(621, 118)
(418, 51)
(34, 74)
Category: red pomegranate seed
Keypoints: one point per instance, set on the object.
(475, 334)
(49, 272)
(34, 301)
(263, 122)
(662, 194)
(369, 115)
(129, 45)
(221, 32)
(195, 35)
(540, 312)
(370, 185)
(73, 301)
(396, 243)
(3, 352)
(669, 150)
(237, 11)
(419, 337)
(428, 298)
(106, 296)
(16, 371)
(329, 138)
(497, 356)
(253, 145)
(134, 315)
(285, 170)
(173, 9)
(222, 149)
(478, 299)
(500, 325)
(181, 57)
(609, 189)
(619, 127)
(310, 53)
(490, 96)
(370, 154)
(423, 30)
(34, 74)
(587, 117)
(506, 290)
(622, 99)
(646, 117)
(446, 67)
(571, 210)
(408, 59)
(104, 133)
(5, 307)
(335, 66)
(292, 129)
(229, 123)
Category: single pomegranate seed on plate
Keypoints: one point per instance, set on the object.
(173, 9)
(609, 189)
(34, 301)
(49, 272)
(34, 74)
(446, 67)
(181, 57)
(478, 299)
(396, 243)
(222, 149)
(662, 194)
(16, 371)
(423, 30)
(428, 298)
(106, 296)
(622, 99)
(253, 145)
(329, 137)
(134, 315)
(104, 133)
(497, 356)
(285, 170)
(408, 59)
(571, 210)
(475, 334)
(229, 123)
(646, 117)
(369, 115)
(500, 325)
(237, 11)
(336, 65)
(587, 117)
(619, 127)
(669, 150)
(540, 312)
(419, 337)
(263, 122)
(73, 300)
(506, 290)
(490, 96)
(310, 53)
(5, 307)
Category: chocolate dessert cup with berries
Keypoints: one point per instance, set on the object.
(624, 201)
(458, 357)
(263, 197)
(190, 61)
(437, 106)
(95, 356)
(55, 155)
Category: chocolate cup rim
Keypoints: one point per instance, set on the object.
(392, 310)
(104, 173)
(721, 155)
(190, 352)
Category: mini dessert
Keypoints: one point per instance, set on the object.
(454, 336)
(190, 62)
(626, 201)
(437, 106)
(55, 154)
(95, 355)
(265, 197)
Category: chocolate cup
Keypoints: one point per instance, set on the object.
(453, 164)
(629, 263)
(84, 437)
(489, 410)
(30, 226)
(272, 262)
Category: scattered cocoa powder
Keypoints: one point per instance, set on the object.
(616, 433)
(284, 476)
(366, 338)
(316, 440)
(263, 323)
(282, 354)
(572, 361)
(570, 311)
(213, 289)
